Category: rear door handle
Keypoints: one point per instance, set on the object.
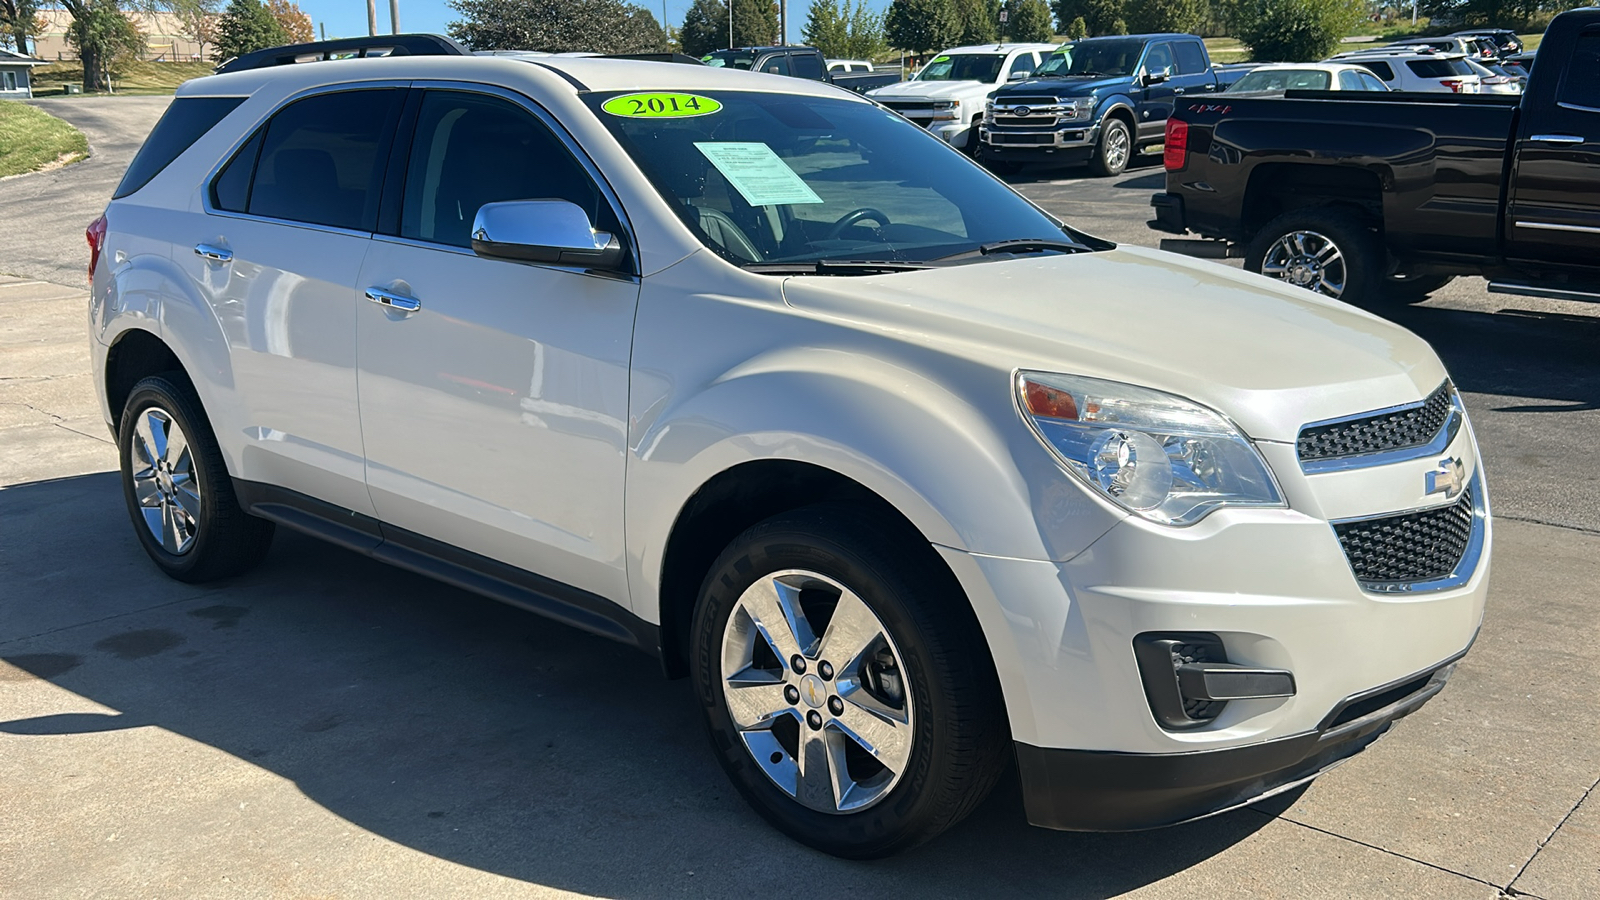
(1557, 139)
(393, 300)
(213, 253)
(1177, 92)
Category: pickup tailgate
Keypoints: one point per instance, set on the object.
(1432, 164)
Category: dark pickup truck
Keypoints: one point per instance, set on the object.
(799, 62)
(1393, 195)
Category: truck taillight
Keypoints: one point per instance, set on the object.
(96, 234)
(1176, 152)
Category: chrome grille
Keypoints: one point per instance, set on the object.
(1396, 429)
(1409, 547)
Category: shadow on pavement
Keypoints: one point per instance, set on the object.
(461, 728)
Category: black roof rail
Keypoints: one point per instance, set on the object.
(346, 48)
(655, 57)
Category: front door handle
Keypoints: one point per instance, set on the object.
(213, 253)
(1557, 139)
(1177, 92)
(393, 300)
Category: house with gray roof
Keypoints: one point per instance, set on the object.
(15, 82)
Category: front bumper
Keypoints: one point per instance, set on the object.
(1083, 790)
(1075, 142)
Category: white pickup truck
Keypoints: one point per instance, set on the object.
(947, 95)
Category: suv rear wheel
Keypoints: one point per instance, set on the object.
(177, 487)
(1328, 251)
(846, 691)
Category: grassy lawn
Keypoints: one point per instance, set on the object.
(30, 139)
(139, 78)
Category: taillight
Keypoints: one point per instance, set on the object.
(1453, 84)
(1176, 153)
(96, 234)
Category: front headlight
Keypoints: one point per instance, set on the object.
(1080, 108)
(1168, 459)
(947, 109)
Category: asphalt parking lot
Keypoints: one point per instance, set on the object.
(330, 727)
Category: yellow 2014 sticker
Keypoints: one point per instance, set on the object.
(658, 105)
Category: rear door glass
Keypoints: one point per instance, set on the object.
(184, 122)
(1191, 59)
(805, 65)
(321, 159)
(1580, 86)
(1380, 69)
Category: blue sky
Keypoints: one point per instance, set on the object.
(348, 18)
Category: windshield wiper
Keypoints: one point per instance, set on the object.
(1019, 245)
(836, 267)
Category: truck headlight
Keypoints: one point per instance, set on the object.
(946, 110)
(1079, 108)
(1168, 459)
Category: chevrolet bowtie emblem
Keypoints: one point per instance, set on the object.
(1448, 479)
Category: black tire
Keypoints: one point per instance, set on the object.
(960, 741)
(224, 540)
(1358, 248)
(1107, 160)
(1415, 289)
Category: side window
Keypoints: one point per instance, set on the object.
(1380, 69)
(471, 149)
(777, 65)
(1191, 59)
(807, 65)
(231, 189)
(1580, 86)
(11, 80)
(184, 122)
(1160, 57)
(1371, 82)
(1349, 80)
(321, 159)
(1023, 63)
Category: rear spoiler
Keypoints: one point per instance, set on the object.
(346, 48)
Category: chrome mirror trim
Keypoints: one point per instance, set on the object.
(545, 231)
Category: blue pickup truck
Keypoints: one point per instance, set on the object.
(1098, 100)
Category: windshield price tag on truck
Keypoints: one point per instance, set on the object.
(656, 105)
(758, 174)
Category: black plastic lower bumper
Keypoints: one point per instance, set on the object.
(1088, 790)
(1169, 214)
(1023, 153)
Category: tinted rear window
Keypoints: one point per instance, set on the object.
(807, 66)
(1191, 59)
(1439, 68)
(321, 160)
(185, 121)
(1580, 85)
(1380, 69)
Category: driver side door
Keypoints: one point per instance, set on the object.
(1158, 98)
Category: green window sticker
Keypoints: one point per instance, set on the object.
(939, 59)
(659, 105)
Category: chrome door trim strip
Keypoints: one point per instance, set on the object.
(1557, 226)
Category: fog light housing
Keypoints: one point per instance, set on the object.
(1188, 679)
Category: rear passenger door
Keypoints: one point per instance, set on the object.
(275, 254)
(495, 412)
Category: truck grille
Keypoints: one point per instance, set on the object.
(1409, 547)
(1032, 120)
(1001, 137)
(1395, 429)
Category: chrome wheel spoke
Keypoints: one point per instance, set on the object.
(756, 700)
(822, 771)
(153, 428)
(775, 608)
(147, 491)
(877, 729)
(852, 630)
(164, 483)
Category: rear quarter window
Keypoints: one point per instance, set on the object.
(1380, 69)
(184, 122)
(1438, 68)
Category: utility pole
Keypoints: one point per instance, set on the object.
(394, 16)
(783, 23)
(730, 24)
(372, 18)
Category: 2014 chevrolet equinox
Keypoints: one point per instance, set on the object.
(911, 478)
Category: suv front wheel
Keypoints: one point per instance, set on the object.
(177, 487)
(845, 690)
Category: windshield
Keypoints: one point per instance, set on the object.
(1282, 80)
(1105, 56)
(767, 178)
(731, 59)
(962, 67)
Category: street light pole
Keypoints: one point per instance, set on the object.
(730, 24)
(372, 18)
(394, 16)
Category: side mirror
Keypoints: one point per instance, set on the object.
(1018, 76)
(547, 231)
(1157, 76)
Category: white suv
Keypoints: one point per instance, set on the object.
(1416, 69)
(947, 95)
(910, 478)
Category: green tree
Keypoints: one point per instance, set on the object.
(979, 22)
(18, 22)
(1030, 22)
(105, 39)
(1154, 16)
(557, 26)
(922, 25)
(1102, 16)
(866, 32)
(247, 26)
(705, 27)
(1294, 30)
(1077, 28)
(827, 28)
(755, 23)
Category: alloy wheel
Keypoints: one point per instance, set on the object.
(164, 480)
(1309, 260)
(1117, 143)
(817, 691)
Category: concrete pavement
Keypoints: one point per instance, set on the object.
(328, 726)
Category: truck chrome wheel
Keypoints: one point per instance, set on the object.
(1117, 146)
(1307, 259)
(164, 480)
(827, 717)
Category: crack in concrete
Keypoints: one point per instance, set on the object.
(1532, 521)
(1550, 837)
(1504, 890)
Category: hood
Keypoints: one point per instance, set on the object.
(1269, 356)
(1075, 86)
(931, 90)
